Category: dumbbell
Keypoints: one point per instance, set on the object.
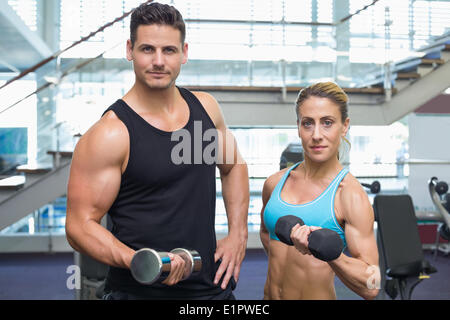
(324, 244)
(441, 187)
(149, 266)
(374, 187)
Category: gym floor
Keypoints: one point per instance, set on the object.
(44, 277)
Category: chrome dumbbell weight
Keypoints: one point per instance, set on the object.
(149, 266)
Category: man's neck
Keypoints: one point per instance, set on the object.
(151, 100)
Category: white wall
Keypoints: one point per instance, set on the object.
(429, 138)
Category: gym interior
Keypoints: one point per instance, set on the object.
(62, 63)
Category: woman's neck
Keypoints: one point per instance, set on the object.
(314, 170)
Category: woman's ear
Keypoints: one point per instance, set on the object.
(346, 127)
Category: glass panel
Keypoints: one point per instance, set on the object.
(50, 218)
(27, 11)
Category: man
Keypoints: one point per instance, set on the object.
(124, 165)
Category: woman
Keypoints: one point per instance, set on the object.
(324, 195)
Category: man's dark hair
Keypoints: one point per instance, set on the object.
(156, 13)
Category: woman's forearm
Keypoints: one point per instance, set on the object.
(357, 275)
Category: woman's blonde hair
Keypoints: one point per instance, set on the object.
(329, 90)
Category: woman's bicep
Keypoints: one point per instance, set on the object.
(359, 228)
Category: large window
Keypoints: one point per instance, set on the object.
(271, 42)
(409, 24)
(26, 10)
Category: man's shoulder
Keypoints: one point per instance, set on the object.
(211, 106)
(109, 117)
(108, 124)
(203, 95)
(108, 133)
(206, 99)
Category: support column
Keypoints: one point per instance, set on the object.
(342, 35)
(48, 21)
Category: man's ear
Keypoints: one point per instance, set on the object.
(129, 50)
(185, 53)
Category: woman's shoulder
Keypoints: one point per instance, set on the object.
(273, 179)
(351, 186)
(271, 182)
(352, 195)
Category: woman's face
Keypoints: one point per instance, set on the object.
(320, 128)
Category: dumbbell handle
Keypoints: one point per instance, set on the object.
(193, 261)
(148, 265)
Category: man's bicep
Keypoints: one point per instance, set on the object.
(91, 191)
(94, 180)
(228, 151)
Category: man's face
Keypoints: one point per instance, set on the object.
(157, 55)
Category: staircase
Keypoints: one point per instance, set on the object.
(32, 187)
(414, 82)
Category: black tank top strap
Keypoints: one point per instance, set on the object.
(196, 106)
(122, 111)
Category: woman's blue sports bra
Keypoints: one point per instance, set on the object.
(319, 212)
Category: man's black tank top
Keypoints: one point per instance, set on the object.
(164, 205)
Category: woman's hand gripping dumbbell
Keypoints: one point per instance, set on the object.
(324, 244)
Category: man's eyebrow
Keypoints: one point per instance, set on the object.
(143, 45)
(171, 47)
(146, 45)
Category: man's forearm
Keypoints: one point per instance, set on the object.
(97, 242)
(235, 192)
